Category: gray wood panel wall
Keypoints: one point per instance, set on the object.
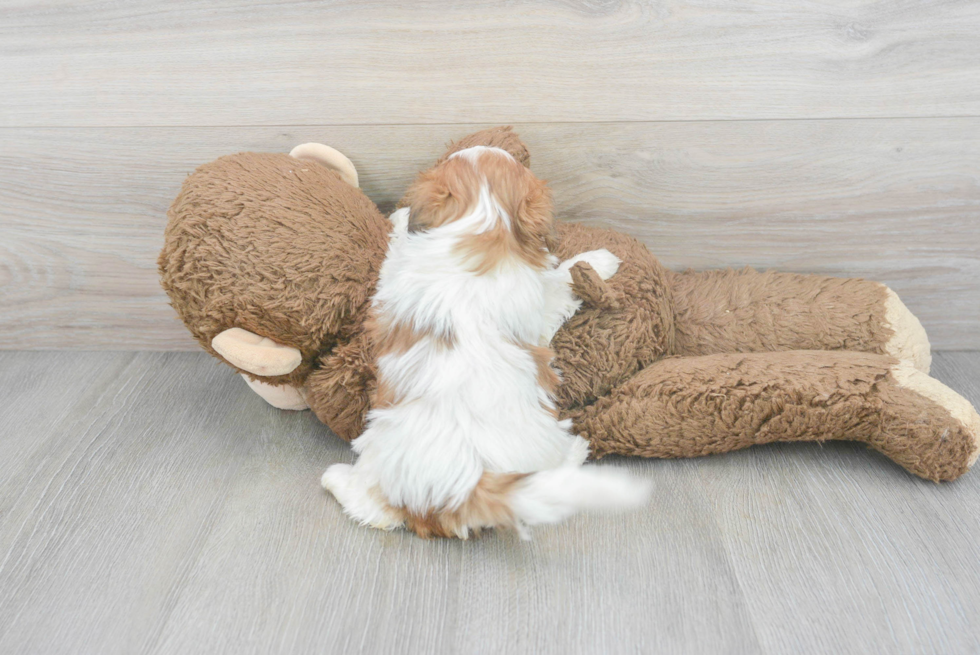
(841, 140)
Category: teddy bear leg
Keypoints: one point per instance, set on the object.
(691, 406)
(751, 311)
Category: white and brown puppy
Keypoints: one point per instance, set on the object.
(463, 433)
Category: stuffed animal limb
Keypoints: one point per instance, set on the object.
(559, 307)
(689, 406)
(751, 311)
(758, 343)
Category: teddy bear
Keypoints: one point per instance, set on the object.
(271, 260)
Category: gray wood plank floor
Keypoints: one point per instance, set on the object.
(150, 504)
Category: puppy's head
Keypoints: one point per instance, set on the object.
(498, 207)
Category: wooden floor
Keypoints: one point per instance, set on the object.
(149, 503)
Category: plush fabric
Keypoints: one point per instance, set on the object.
(682, 407)
(753, 311)
(604, 344)
(276, 246)
(656, 363)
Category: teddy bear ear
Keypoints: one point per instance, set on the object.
(329, 157)
(256, 354)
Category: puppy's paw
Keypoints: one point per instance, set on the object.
(336, 479)
(357, 498)
(604, 262)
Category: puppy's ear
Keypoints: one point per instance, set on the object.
(551, 239)
(440, 195)
(534, 223)
(422, 201)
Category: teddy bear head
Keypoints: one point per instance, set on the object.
(275, 246)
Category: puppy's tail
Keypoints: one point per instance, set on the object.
(522, 500)
(554, 495)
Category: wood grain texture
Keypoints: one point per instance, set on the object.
(149, 503)
(822, 540)
(230, 62)
(82, 210)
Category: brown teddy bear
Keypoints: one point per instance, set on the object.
(271, 261)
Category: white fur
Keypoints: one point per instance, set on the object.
(353, 491)
(399, 222)
(476, 406)
(554, 495)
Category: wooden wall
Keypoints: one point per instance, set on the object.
(838, 138)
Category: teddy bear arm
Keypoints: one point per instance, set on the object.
(728, 311)
(340, 388)
(693, 406)
(577, 280)
(588, 285)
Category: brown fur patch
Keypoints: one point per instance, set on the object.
(691, 406)
(442, 194)
(388, 337)
(486, 251)
(391, 337)
(487, 507)
(527, 200)
(547, 376)
(449, 191)
(758, 311)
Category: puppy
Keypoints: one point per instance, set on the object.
(463, 433)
